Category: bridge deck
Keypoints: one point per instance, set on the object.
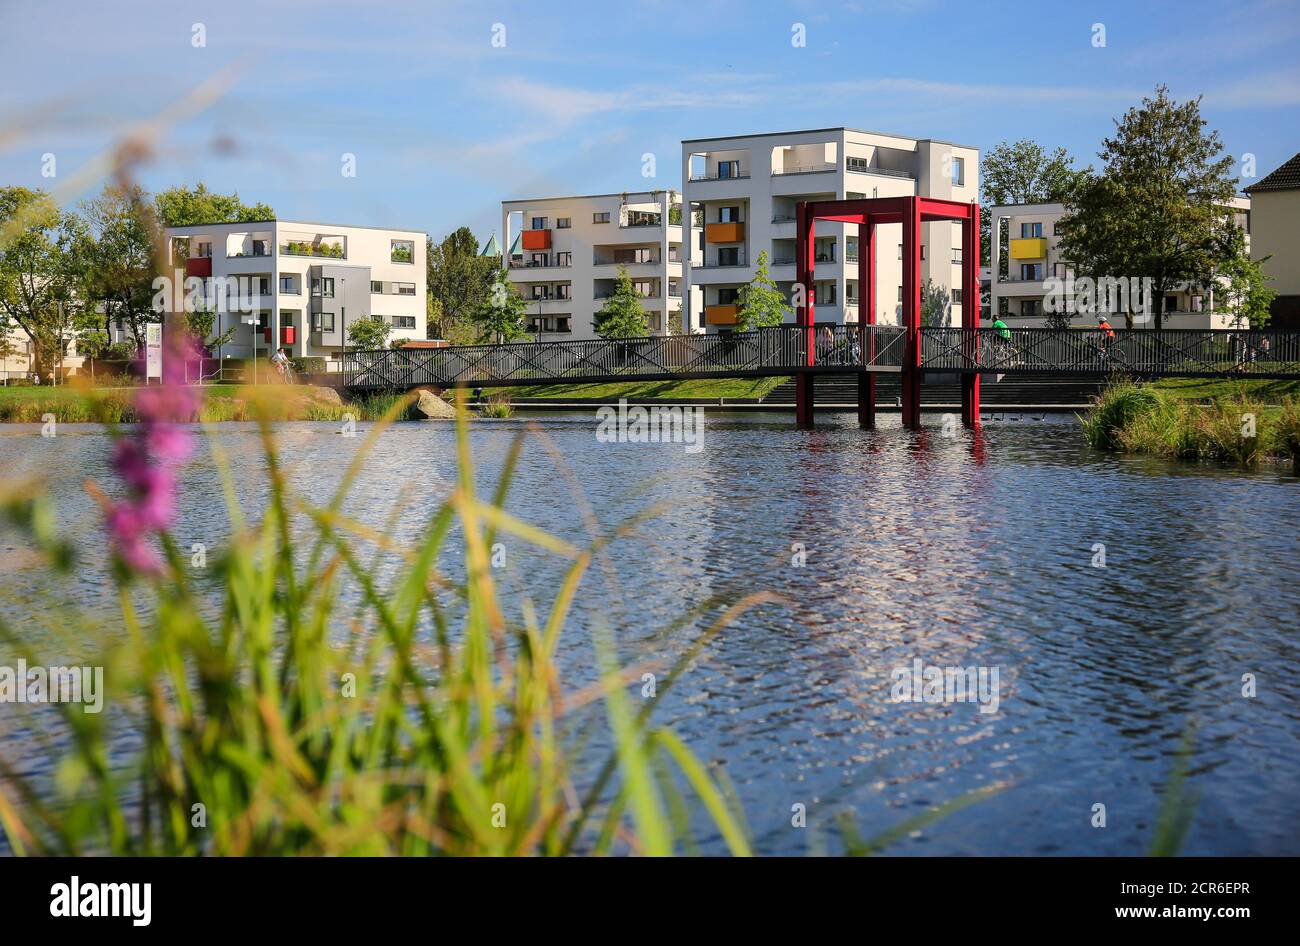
(785, 350)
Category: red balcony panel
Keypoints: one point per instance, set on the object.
(266, 335)
(286, 335)
(537, 239)
(199, 266)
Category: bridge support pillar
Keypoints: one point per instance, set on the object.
(911, 379)
(970, 400)
(803, 401)
(867, 400)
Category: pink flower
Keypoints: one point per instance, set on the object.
(144, 459)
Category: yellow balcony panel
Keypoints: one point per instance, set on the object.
(724, 233)
(721, 314)
(1029, 248)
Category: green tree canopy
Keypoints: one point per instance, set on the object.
(501, 314)
(184, 206)
(40, 273)
(1157, 209)
(622, 315)
(762, 305)
(935, 312)
(117, 246)
(369, 332)
(459, 282)
(1021, 172)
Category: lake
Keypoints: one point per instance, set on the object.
(890, 547)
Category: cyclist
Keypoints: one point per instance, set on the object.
(1107, 336)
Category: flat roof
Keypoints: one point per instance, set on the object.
(814, 131)
(292, 222)
(538, 200)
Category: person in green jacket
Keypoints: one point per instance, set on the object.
(1001, 326)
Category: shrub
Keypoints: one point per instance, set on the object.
(1115, 408)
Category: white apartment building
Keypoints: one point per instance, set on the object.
(306, 282)
(741, 194)
(565, 254)
(1030, 254)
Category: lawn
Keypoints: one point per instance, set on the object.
(648, 390)
(1206, 389)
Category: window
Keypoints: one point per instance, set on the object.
(403, 321)
(900, 293)
(323, 321)
(642, 254)
(563, 223)
(205, 250)
(1032, 271)
(956, 297)
(564, 259)
(289, 285)
(900, 251)
(1056, 224)
(259, 248)
(956, 254)
(729, 256)
(922, 251)
(728, 169)
(958, 172)
(541, 292)
(262, 285)
(644, 287)
(323, 287)
(563, 291)
(674, 289)
(1030, 230)
(376, 286)
(404, 288)
(728, 296)
(539, 223)
(728, 215)
(402, 251)
(1031, 308)
(602, 217)
(538, 259)
(857, 164)
(286, 319)
(562, 324)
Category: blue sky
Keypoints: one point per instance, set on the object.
(444, 125)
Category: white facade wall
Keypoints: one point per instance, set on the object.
(273, 253)
(1020, 294)
(565, 281)
(767, 175)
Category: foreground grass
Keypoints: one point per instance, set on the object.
(221, 402)
(1235, 426)
(648, 390)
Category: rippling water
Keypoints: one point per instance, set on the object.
(963, 551)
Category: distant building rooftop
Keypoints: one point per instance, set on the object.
(1285, 178)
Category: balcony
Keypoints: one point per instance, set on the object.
(721, 314)
(1029, 248)
(733, 263)
(716, 176)
(641, 218)
(199, 266)
(805, 169)
(537, 240)
(327, 248)
(871, 169)
(724, 233)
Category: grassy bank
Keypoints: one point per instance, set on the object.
(648, 390)
(1234, 425)
(221, 402)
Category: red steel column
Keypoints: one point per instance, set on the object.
(806, 314)
(866, 319)
(970, 316)
(912, 314)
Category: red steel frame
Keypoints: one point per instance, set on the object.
(868, 213)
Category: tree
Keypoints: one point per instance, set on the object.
(675, 321)
(1021, 173)
(622, 316)
(459, 281)
(117, 247)
(1247, 296)
(200, 323)
(934, 305)
(184, 206)
(501, 315)
(39, 273)
(369, 333)
(1157, 210)
(762, 305)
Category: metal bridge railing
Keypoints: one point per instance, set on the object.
(1185, 352)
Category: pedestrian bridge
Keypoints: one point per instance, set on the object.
(803, 350)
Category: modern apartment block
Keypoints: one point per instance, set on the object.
(1029, 254)
(741, 194)
(307, 282)
(565, 254)
(1276, 239)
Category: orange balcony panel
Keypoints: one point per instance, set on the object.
(537, 239)
(199, 266)
(286, 335)
(724, 233)
(721, 314)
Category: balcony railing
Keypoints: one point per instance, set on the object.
(805, 169)
(303, 248)
(715, 176)
(530, 264)
(739, 261)
(886, 172)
